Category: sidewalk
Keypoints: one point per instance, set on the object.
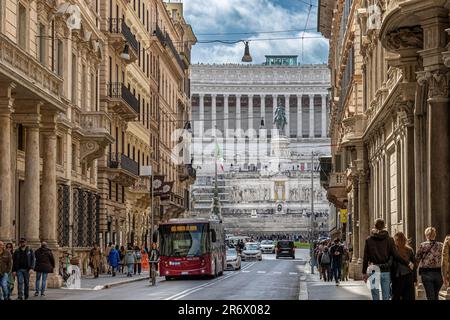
(312, 288)
(105, 281)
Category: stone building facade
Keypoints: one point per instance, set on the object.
(389, 126)
(261, 170)
(87, 88)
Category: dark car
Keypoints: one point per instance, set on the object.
(285, 248)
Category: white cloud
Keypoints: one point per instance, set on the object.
(217, 16)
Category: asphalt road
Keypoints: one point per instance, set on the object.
(269, 279)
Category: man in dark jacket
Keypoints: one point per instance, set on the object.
(45, 263)
(23, 262)
(336, 251)
(380, 252)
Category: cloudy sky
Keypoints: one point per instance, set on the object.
(259, 18)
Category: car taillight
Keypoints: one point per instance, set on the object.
(203, 261)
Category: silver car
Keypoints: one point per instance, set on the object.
(251, 251)
(233, 260)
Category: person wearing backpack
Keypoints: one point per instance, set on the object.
(429, 256)
(325, 263)
(137, 260)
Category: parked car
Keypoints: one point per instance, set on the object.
(268, 246)
(251, 251)
(233, 259)
(285, 248)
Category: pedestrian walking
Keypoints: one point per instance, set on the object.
(345, 264)
(445, 263)
(336, 251)
(95, 259)
(11, 278)
(107, 251)
(325, 263)
(138, 260)
(23, 262)
(114, 260)
(429, 256)
(129, 259)
(122, 252)
(380, 251)
(403, 278)
(5, 271)
(44, 264)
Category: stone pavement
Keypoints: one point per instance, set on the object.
(312, 288)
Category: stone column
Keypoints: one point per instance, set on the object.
(287, 106)
(434, 22)
(364, 227)
(311, 116)
(48, 198)
(49, 202)
(299, 117)
(250, 114)
(238, 112)
(274, 107)
(32, 176)
(225, 114)
(202, 114)
(355, 230)
(213, 111)
(263, 109)
(324, 116)
(6, 108)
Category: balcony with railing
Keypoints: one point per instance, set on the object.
(120, 34)
(122, 162)
(31, 77)
(122, 101)
(336, 192)
(160, 35)
(175, 53)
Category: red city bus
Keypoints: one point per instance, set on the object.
(191, 247)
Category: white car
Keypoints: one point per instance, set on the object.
(233, 259)
(268, 246)
(251, 251)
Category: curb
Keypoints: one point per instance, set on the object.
(303, 292)
(118, 283)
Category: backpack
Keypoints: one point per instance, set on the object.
(325, 258)
(138, 255)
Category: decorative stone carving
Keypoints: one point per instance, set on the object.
(437, 80)
(404, 38)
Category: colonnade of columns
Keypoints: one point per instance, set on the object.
(238, 118)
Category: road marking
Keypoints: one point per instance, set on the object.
(293, 273)
(277, 272)
(261, 272)
(187, 292)
(245, 271)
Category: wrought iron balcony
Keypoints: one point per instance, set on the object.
(117, 90)
(175, 52)
(160, 35)
(117, 26)
(121, 161)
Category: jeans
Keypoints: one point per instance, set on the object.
(385, 283)
(4, 284)
(130, 269)
(432, 282)
(138, 268)
(44, 281)
(336, 271)
(23, 280)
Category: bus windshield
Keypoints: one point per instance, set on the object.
(189, 240)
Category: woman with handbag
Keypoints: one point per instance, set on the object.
(429, 257)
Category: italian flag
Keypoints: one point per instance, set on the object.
(219, 156)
